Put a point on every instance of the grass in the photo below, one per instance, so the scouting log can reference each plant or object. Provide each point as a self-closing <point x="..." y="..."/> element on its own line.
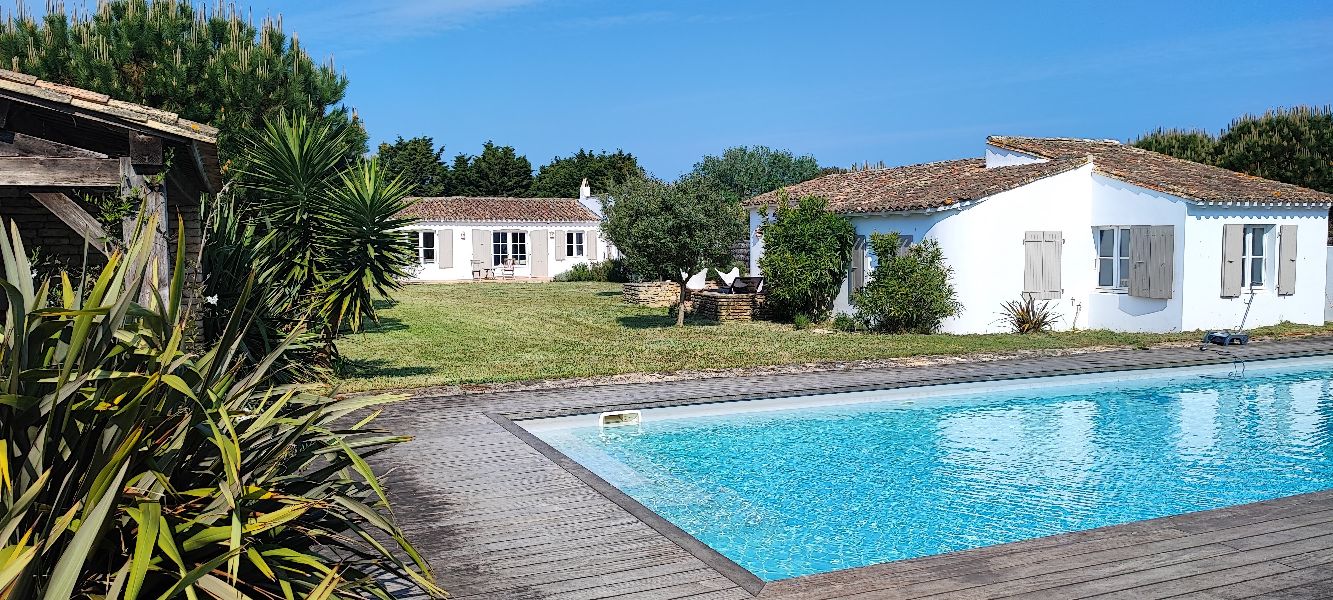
<point x="486" y="333"/>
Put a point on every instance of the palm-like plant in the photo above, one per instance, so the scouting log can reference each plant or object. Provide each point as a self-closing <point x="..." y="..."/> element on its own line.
<point x="133" y="466"/>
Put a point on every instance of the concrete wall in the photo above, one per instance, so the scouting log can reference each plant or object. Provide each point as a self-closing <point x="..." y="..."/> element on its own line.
<point x="462" y="248"/>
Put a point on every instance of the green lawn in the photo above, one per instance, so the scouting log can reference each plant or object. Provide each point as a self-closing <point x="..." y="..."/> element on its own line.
<point x="486" y="333"/>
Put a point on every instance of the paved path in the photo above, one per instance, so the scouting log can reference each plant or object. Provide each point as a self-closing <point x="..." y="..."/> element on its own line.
<point x="499" y="519"/>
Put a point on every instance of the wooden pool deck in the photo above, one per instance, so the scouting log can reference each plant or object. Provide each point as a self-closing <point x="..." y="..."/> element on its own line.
<point x="499" y="516"/>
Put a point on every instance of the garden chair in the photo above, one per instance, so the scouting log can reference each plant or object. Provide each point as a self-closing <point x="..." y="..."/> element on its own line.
<point x="695" y="282"/>
<point x="507" y="269"/>
<point x="476" y="269"/>
<point x="728" y="277"/>
<point x="748" y="285"/>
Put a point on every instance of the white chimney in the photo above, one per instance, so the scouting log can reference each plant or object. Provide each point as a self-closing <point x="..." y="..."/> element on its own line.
<point x="588" y="200"/>
<point x="585" y="191"/>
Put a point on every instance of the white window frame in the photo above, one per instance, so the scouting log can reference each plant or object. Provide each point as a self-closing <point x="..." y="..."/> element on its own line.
<point x="574" y="243"/>
<point x="1247" y="257"/>
<point x="1118" y="260"/>
<point x="428" y="255"/>
<point x="504" y="244"/>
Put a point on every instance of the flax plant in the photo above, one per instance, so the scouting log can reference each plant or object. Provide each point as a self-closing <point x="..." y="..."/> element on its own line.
<point x="136" y="464"/>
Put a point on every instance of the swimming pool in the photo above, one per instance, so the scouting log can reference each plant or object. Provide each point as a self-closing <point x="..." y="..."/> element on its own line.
<point x="796" y="486"/>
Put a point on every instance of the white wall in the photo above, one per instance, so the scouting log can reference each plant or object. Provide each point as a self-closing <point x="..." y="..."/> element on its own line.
<point x="1002" y="157"/>
<point x="462" y="247"/>
<point x="1205" y="308"/>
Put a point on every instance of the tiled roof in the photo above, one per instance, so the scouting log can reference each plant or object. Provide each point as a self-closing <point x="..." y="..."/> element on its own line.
<point x="467" y="208"/>
<point x="917" y="187"/>
<point x="152" y="118"/>
<point x="1155" y="171"/>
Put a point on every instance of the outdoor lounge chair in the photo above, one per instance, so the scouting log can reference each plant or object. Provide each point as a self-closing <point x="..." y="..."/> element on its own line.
<point x="728" y="277"/>
<point x="747" y="285"/>
<point x="696" y="282"/>
<point x="507" y="269"/>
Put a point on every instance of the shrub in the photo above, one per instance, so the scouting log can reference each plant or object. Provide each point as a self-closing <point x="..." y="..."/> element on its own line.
<point x="1026" y="316"/>
<point x="611" y="270"/>
<point x="136" y="465"/>
<point x="845" y="322"/>
<point x="800" y="322"/>
<point x="908" y="290"/>
<point x="806" y="254"/>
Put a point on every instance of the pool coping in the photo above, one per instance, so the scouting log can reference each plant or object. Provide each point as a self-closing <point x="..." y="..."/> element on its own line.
<point x="741" y="576"/>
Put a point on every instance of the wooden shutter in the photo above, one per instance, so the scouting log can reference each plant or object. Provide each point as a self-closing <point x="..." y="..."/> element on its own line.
<point x="590" y="244"/>
<point x="1233" y="245"/>
<point x="857" y="278"/>
<point x="444" y="248"/>
<point x="1032" y="242"/>
<point x="1286" y="257"/>
<point x="481" y="247"/>
<point x="561" y="241"/>
<point x="1161" y="244"/>
<point x="1042" y="251"/>
<point x="1152" y="261"/>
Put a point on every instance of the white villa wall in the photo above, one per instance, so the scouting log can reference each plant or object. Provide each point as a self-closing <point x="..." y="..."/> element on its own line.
<point x="462" y="247"/>
<point x="1002" y="157"/>
<point x="1205" y="308"/>
<point x="1116" y="203"/>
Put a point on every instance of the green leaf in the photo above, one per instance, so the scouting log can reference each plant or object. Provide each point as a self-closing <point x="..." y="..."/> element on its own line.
<point x="80" y="549"/>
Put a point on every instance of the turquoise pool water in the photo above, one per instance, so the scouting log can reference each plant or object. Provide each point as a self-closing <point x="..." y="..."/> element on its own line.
<point x="800" y="491"/>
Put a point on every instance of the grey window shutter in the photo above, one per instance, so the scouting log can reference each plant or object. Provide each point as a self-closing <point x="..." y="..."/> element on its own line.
<point x="590" y="245"/>
<point x="1032" y="278"/>
<point x="444" y="248"/>
<point x="1286" y="256"/>
<point x="1233" y="242"/>
<point x="857" y="280"/>
<point x="1139" y="265"/>
<point x="481" y="247"/>
<point x="1051" y="249"/>
<point x="1161" y="244"/>
<point x="561" y="248"/>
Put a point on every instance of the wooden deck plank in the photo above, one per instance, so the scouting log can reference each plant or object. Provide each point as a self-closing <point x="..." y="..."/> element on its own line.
<point x="498" y="519"/>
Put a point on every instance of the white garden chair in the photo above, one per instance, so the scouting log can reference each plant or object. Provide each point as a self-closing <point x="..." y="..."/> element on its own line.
<point x="696" y="282"/>
<point x="728" y="277"/>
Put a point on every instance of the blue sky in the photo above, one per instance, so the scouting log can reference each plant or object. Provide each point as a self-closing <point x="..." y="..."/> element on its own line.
<point x="844" y="81"/>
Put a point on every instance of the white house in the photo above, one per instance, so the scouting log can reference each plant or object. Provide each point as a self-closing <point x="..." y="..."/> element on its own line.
<point x="1115" y="236"/>
<point x="462" y="238"/>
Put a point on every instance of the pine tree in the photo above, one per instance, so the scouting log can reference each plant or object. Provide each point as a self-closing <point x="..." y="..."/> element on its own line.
<point x="497" y="171"/>
<point x="562" y="177"/>
<point x="1196" y="145"/>
<point x="418" y="163"/>
<point x="214" y="67"/>
<point x="1291" y="145"/>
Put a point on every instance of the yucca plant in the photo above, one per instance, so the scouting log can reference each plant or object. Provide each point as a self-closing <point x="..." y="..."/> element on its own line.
<point x="136" y="465"/>
<point x="1025" y="315"/>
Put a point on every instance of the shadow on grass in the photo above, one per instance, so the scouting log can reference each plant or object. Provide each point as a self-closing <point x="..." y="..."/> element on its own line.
<point x="385" y="324"/>
<point x="660" y="322"/>
<point x="377" y="367"/>
<point x="384" y="303"/>
<point x="608" y="294"/>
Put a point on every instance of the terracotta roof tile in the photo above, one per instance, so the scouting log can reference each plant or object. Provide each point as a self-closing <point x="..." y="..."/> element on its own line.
<point x="1167" y="174"/>
<point x="467" y="208"/>
<point x="918" y="187"/>
<point x="154" y="118"/>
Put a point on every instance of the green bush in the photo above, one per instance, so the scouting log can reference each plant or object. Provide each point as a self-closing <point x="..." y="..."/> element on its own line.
<point x="800" y="322"/>
<point x="806" y="254"/>
<point x="612" y="270"/>
<point x="909" y="290"/>
<point x="134" y="464"/>
<point x="845" y="322"/>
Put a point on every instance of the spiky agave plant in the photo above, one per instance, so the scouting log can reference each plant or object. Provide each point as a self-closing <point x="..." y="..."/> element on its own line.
<point x="133" y="465"/>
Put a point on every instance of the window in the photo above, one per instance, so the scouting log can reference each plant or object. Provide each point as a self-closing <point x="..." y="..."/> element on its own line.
<point x="574" y="243"/>
<point x="426" y="247"/>
<point x="1113" y="257"/>
<point x="509" y="245"/>
<point x="1254" y="258"/>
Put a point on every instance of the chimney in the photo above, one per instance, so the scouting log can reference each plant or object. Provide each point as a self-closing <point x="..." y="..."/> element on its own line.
<point x="585" y="191"/>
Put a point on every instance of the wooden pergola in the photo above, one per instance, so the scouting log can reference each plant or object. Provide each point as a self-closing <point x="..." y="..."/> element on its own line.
<point x="59" y="144"/>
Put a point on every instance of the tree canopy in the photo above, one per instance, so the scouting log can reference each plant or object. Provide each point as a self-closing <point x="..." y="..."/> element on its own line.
<point x="215" y="67"/>
<point x="562" y="177"/>
<point x="747" y="171"/>
<point x="497" y="171"/>
<point x="1292" y="145"/>
<point x="666" y="229"/>
<point x="419" y="164"/>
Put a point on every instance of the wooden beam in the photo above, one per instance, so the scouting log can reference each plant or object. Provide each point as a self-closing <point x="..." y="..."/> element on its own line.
<point x="135" y="185"/>
<point x="25" y="171"/>
<point x="5" y="105"/>
<point x="18" y="144"/>
<point x="73" y="215"/>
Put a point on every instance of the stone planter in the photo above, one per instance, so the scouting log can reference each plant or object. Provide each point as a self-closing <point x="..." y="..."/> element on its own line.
<point x="717" y="306"/>
<point x="651" y="293"/>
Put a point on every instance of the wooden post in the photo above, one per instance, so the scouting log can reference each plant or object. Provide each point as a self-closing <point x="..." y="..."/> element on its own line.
<point x="135" y="184"/>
